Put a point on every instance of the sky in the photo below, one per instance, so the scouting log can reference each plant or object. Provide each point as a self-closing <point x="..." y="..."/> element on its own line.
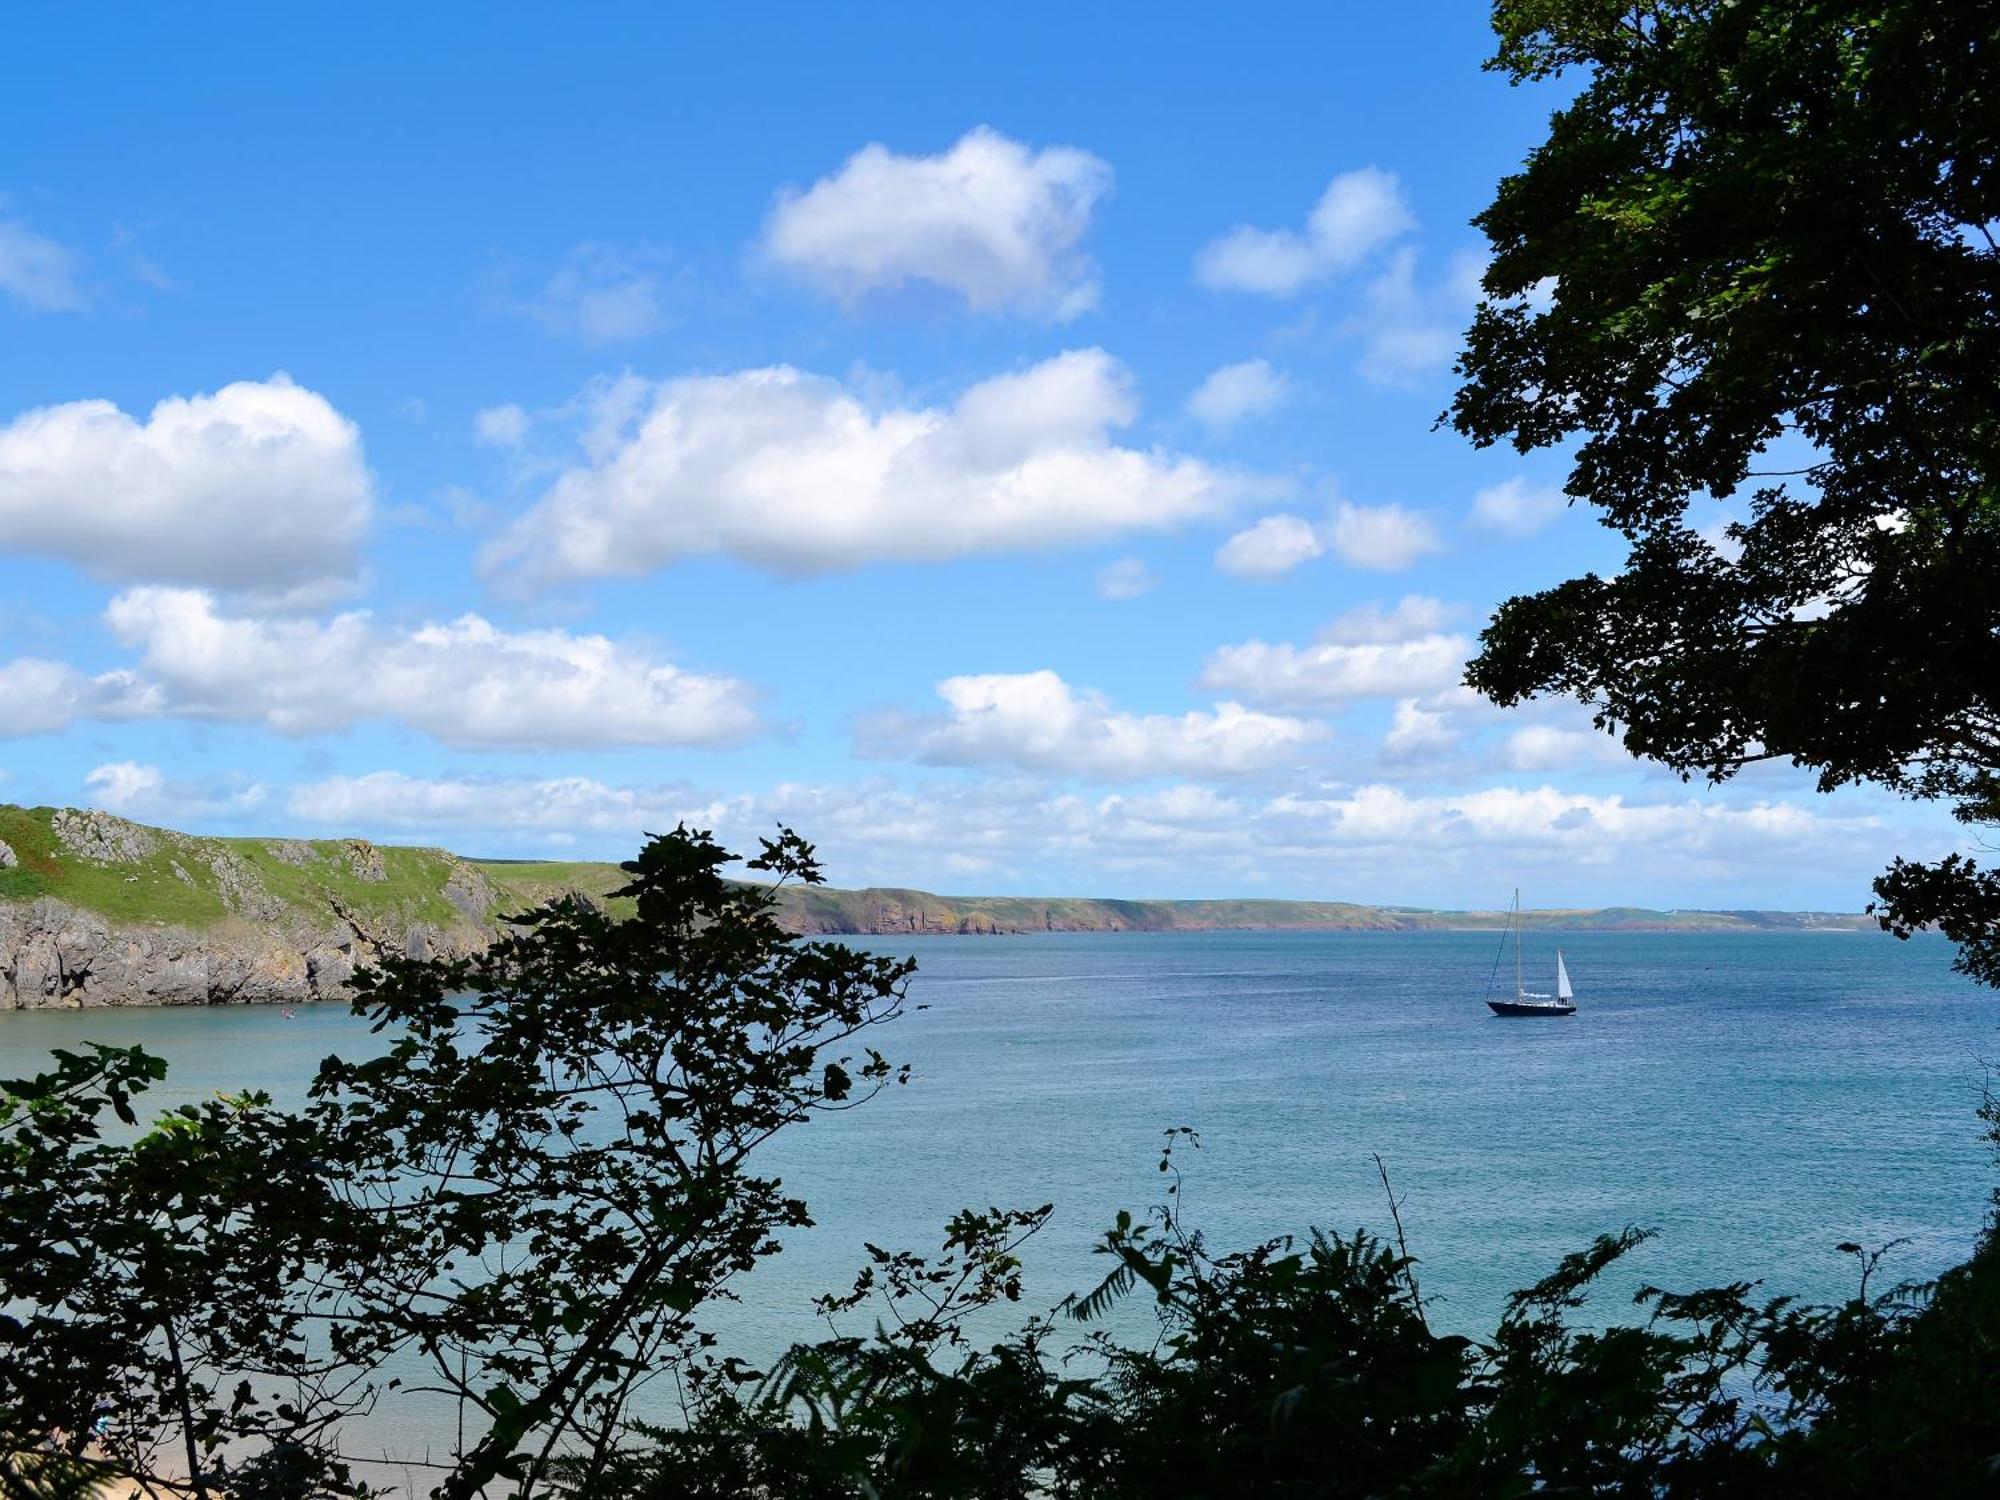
<point x="1000" y="444"/>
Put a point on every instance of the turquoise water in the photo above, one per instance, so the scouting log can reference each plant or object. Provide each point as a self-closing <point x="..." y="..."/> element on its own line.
<point x="1756" y="1098"/>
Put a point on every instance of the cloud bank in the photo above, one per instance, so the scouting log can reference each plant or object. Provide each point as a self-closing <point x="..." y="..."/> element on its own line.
<point x="465" y="683"/>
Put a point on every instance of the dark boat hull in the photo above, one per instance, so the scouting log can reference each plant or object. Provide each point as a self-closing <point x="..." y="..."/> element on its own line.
<point x="1514" y="1008"/>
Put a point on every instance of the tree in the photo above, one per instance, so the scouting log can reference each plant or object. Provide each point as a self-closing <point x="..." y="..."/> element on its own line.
<point x="533" y="1189"/>
<point x="148" y="1322"/>
<point x="1757" y="252"/>
<point x="1309" y="1367"/>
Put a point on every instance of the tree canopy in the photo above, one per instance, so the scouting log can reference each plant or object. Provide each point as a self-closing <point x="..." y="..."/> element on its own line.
<point x="525" y="1197"/>
<point x="1755" y="257"/>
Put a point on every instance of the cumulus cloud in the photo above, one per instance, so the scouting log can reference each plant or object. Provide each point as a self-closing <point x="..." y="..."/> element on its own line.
<point x="556" y="808"/>
<point x="798" y="474"/>
<point x="36" y="270"/>
<point x="1418" y="732"/>
<point x="991" y="221"/>
<point x="1385" y="538"/>
<point x="1409" y="330"/>
<point x="1127" y="578"/>
<point x="1359" y="213"/>
<point x="1330" y="674"/>
<point x="1548" y="747"/>
<point x="1237" y="392"/>
<point x="39" y="696"/>
<point x="258" y="487"/>
<point x="1382" y="538"/>
<point x="135" y="790"/>
<point x="600" y="294"/>
<point x="1516" y="508"/>
<point x="1368" y="653"/>
<point x="1036" y="721"/>
<point x="1412" y="617"/>
<point x="465" y="682"/>
<point x="1272" y="547"/>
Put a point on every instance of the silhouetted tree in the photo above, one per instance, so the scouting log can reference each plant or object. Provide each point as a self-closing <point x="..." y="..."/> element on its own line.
<point x="1310" y="1369"/>
<point x="532" y="1189"/>
<point x="1756" y="253"/>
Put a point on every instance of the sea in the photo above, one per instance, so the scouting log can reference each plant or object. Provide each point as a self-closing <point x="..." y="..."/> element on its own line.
<point x="1756" y="1098"/>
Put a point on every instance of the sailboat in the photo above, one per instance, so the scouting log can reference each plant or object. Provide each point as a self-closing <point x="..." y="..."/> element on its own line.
<point x="1527" y="1002"/>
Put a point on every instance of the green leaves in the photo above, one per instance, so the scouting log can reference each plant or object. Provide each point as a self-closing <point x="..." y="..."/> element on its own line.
<point x="1769" y="233"/>
<point x="532" y="1190"/>
<point x="835" y="1084"/>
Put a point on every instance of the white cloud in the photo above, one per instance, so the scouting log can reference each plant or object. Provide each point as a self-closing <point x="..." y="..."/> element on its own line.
<point x="797" y="474"/>
<point x="991" y="220"/>
<point x="601" y="294"/>
<point x="1516" y="508"/>
<point x="1036" y="721"/>
<point x="260" y="486"/>
<point x="1717" y="532"/>
<point x="557" y="807"/>
<point x="1359" y="213"/>
<point x="1127" y="578"/>
<point x="1386" y="538"/>
<point x="465" y="683"/>
<point x="1236" y="392"/>
<point x="1546" y="747"/>
<point x="39" y="697"/>
<point x="1366" y="653"/>
<point x="1418" y="732"/>
<point x="501" y="426"/>
<point x="1274" y="546"/>
<point x="1365" y="843"/>
<point x="37" y="270"/>
<point x="1596" y="831"/>
<point x="134" y="790"/>
<point x="1408" y="331"/>
<point x="1413" y="616"/>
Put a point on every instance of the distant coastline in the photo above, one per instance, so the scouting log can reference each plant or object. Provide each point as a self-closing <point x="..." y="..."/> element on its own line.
<point x="98" y="910"/>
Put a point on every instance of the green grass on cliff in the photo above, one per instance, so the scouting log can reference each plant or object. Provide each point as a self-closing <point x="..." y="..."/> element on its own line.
<point x="179" y="882"/>
<point x="528" y="883"/>
<point x="168" y="885"/>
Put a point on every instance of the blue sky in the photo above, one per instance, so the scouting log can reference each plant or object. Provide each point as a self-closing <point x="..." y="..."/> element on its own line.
<point x="999" y="444"/>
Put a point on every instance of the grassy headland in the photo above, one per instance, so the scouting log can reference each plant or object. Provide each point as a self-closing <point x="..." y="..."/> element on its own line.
<point x="157" y="876"/>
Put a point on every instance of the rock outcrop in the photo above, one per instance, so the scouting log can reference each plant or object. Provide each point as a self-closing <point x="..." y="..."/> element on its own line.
<point x="101" y="838"/>
<point x="365" y="860"/>
<point x="53" y="954"/>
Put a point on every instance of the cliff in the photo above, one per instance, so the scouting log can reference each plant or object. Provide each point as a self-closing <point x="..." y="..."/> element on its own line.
<point x="96" y="910"/>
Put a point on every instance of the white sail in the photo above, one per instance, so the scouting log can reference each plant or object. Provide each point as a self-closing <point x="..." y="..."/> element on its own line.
<point x="1563" y="991"/>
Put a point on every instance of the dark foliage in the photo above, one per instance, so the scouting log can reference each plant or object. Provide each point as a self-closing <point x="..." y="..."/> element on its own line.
<point x="544" y="1175"/>
<point x="1757" y="253"/>
<point x="544" y="1172"/>
<point x="1309" y="1369"/>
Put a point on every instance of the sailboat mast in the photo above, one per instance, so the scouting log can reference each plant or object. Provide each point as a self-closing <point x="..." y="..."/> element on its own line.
<point x="1517" y="942"/>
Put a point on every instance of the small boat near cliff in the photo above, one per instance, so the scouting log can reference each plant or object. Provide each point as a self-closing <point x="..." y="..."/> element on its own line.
<point x="1527" y="1002"/>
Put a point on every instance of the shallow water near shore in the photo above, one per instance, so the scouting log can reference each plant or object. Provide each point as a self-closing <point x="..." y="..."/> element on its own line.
<point x="1757" y="1098"/>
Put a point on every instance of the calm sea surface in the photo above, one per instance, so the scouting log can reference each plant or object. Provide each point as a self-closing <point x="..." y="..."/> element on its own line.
<point x="1756" y="1098"/>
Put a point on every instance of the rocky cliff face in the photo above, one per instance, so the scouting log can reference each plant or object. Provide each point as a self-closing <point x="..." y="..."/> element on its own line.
<point x="51" y="953"/>
<point x="97" y="910"/>
<point x="254" y="944"/>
